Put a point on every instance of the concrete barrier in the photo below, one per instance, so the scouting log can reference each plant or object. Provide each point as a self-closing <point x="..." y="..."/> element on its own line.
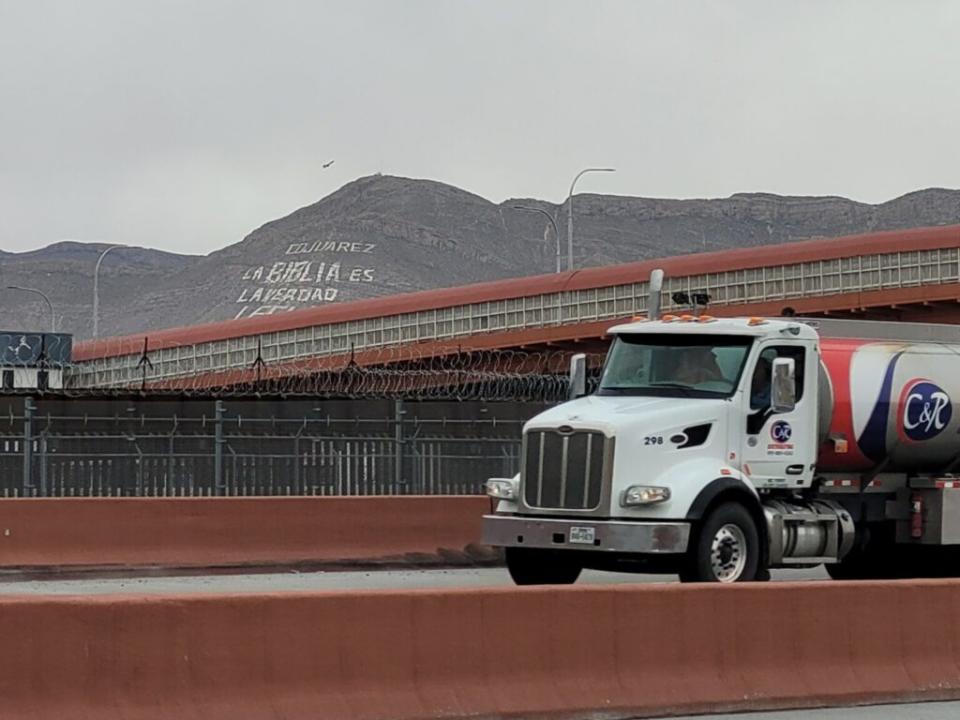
<point x="185" y="532"/>
<point x="621" y="651"/>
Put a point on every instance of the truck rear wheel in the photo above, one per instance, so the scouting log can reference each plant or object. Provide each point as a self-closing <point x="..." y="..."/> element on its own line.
<point x="528" y="566"/>
<point x="874" y="557"/>
<point x="725" y="548"/>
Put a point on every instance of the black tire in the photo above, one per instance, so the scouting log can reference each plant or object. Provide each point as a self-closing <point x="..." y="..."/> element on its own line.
<point x="858" y="568"/>
<point x="874" y="557"/>
<point x="725" y="548"/>
<point x="528" y="566"/>
<point x="896" y="563"/>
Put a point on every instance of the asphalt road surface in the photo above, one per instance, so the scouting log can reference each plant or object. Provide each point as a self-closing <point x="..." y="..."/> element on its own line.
<point x="143" y="582"/>
<point x="915" y="711"/>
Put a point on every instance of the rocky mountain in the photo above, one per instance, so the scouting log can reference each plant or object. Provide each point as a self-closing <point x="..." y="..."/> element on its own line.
<point x="64" y="272"/>
<point x="382" y="235"/>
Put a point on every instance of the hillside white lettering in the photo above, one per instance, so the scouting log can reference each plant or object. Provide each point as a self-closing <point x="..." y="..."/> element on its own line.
<point x="330" y="246"/>
<point x="287" y="284"/>
<point x="288" y="294"/>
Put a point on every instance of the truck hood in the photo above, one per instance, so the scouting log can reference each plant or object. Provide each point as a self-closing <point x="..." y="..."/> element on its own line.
<point x="616" y="414"/>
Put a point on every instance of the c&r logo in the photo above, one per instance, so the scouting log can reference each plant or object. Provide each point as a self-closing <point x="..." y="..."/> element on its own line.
<point x="925" y="410"/>
<point x="781" y="431"/>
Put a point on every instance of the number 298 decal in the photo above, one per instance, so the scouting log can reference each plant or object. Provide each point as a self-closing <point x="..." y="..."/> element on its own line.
<point x="653" y="440"/>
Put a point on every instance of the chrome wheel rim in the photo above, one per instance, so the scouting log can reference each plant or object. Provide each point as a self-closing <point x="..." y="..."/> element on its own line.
<point x="728" y="553"/>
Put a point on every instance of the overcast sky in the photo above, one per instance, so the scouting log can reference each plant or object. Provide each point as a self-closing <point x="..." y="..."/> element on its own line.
<point x="184" y="125"/>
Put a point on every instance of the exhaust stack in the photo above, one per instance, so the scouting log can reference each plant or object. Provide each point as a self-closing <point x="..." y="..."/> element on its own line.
<point x="654" y="297"/>
<point x="578" y="376"/>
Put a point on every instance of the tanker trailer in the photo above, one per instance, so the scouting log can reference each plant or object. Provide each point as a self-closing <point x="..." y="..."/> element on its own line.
<point x="720" y="448"/>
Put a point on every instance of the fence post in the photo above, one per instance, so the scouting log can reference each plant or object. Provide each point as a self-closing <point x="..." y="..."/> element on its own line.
<point x="218" y="448"/>
<point x="44" y="491"/>
<point x="398" y="413"/>
<point x="28" y="408"/>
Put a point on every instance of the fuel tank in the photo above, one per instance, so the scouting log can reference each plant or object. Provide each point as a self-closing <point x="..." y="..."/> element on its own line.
<point x="889" y="403"/>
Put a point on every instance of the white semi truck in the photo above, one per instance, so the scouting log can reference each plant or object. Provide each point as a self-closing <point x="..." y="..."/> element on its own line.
<point x="720" y="448"/>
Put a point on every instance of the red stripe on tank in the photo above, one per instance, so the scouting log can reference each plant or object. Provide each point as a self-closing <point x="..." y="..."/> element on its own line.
<point x="837" y="355"/>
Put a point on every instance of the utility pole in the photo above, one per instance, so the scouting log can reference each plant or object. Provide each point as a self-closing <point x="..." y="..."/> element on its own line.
<point x="556" y="230"/>
<point x="570" y="211"/>
<point x="96" y="290"/>
<point x="53" y="318"/>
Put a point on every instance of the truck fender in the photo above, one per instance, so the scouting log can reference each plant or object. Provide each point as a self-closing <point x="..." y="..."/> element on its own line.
<point x="732" y="489"/>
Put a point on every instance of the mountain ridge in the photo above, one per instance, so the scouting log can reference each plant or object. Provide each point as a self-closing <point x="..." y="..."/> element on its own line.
<point x="382" y="234"/>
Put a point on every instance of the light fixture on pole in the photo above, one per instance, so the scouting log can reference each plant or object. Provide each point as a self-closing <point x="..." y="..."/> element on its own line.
<point x="570" y="211"/>
<point x="53" y="319"/>
<point x="96" y="290"/>
<point x="556" y="230"/>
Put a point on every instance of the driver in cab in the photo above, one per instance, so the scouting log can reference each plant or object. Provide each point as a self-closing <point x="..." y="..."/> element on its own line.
<point x="697" y="365"/>
<point x="760" y="385"/>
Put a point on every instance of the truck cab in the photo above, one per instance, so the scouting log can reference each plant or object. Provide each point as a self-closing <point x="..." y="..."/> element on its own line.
<point x="696" y="455"/>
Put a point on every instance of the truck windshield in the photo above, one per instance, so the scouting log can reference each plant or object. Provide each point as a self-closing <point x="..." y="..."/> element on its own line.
<point x="671" y="365"/>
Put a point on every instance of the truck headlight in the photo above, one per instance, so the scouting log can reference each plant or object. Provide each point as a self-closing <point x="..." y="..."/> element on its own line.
<point x="644" y="495"/>
<point x="502" y="489"/>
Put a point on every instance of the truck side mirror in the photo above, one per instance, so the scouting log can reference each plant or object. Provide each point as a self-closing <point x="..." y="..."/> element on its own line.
<point x="783" y="385"/>
<point x="578" y="376"/>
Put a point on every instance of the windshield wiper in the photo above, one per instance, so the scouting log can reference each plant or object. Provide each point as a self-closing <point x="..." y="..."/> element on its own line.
<point x="673" y="386"/>
<point x="640" y="389"/>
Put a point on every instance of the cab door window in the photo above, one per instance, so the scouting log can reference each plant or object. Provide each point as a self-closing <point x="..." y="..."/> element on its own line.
<point x="760" y="382"/>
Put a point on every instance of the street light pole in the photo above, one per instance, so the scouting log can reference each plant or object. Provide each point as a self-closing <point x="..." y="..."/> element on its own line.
<point x="53" y="319"/>
<point x="548" y="216"/>
<point x="96" y="290"/>
<point x="570" y="211"/>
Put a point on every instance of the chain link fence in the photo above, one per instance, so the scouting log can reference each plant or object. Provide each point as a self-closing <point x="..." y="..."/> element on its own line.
<point x="143" y="447"/>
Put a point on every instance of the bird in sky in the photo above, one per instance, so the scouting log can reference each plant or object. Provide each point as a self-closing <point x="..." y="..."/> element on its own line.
<point x="327" y="164"/>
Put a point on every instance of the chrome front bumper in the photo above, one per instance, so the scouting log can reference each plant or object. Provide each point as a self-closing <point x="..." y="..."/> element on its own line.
<point x="609" y="535"/>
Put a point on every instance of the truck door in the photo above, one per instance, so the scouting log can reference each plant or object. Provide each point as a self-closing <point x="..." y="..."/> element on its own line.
<point x="780" y="448"/>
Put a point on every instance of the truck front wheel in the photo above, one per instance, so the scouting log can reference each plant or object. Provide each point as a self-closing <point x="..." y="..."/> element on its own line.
<point x="528" y="566"/>
<point x="725" y="548"/>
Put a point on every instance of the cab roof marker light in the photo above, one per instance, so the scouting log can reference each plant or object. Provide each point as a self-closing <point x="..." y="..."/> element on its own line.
<point x="706" y="319"/>
<point x="686" y="318"/>
<point x="756" y="321"/>
<point x="668" y="318"/>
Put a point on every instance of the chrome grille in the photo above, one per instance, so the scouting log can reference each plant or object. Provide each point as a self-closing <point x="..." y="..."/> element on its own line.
<point x="564" y="470"/>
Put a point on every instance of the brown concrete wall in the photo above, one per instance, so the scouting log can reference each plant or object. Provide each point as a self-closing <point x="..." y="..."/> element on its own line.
<point x="230" y="531"/>
<point x="628" y="651"/>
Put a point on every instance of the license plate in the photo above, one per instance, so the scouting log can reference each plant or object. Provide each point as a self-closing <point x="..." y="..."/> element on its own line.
<point x="582" y="535"/>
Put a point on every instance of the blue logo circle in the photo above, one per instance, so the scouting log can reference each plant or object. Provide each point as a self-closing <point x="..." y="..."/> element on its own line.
<point x="925" y="410"/>
<point x="781" y="431"/>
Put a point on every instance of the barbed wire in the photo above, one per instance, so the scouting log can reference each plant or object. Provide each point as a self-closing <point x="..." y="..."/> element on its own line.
<point x="410" y="371"/>
<point x="19" y="349"/>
